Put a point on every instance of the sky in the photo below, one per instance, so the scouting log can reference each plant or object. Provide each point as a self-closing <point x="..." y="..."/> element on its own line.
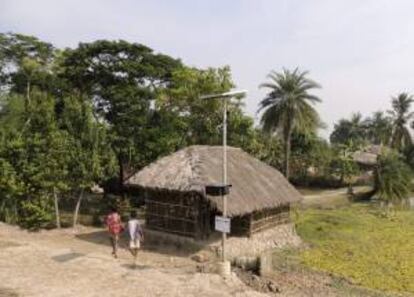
<point x="361" y="52"/>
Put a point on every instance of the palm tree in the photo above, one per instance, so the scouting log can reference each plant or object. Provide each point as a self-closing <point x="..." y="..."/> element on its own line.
<point x="401" y="115"/>
<point x="349" y="130"/>
<point x="288" y="106"/>
<point x="379" y="128"/>
<point x="392" y="178"/>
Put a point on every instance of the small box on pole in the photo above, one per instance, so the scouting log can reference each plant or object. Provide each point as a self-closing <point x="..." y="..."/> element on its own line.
<point x="222" y="224"/>
<point x="218" y="190"/>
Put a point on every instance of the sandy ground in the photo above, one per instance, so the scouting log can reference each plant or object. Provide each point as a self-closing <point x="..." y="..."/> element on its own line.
<point x="329" y="198"/>
<point x="61" y="263"/>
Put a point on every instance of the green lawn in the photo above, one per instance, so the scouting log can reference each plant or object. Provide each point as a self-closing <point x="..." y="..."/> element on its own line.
<point x="360" y="243"/>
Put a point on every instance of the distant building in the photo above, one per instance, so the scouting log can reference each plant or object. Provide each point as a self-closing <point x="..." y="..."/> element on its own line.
<point x="176" y="201"/>
<point x="367" y="157"/>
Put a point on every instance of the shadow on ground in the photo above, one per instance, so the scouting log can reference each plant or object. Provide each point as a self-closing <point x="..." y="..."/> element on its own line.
<point x="96" y="237"/>
<point x="7" y="244"/>
<point x="135" y="266"/>
<point x="7" y="293"/>
<point x="176" y="250"/>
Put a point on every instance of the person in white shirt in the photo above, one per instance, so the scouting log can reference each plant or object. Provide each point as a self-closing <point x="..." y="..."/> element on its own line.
<point x="135" y="234"/>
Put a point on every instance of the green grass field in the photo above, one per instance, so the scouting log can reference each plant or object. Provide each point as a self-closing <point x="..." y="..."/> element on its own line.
<point x="360" y="243"/>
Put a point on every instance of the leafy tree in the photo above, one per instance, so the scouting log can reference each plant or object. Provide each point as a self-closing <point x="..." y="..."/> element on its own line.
<point x="311" y="155"/>
<point x="121" y="79"/>
<point x="203" y="118"/>
<point x="353" y="130"/>
<point x="379" y="128"/>
<point x="343" y="163"/>
<point x="288" y="106"/>
<point x="10" y="191"/>
<point x="49" y="159"/>
<point x="240" y="129"/>
<point x="24" y="62"/>
<point x="90" y="159"/>
<point x="268" y="149"/>
<point x="35" y="160"/>
<point x="401" y="115"/>
<point x="11" y="114"/>
<point x="11" y="187"/>
<point x="392" y="178"/>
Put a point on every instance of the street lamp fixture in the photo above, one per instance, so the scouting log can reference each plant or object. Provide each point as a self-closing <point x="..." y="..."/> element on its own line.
<point x="224" y="96"/>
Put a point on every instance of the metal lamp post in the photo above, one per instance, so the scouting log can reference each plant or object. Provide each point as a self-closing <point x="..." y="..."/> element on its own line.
<point x="224" y="97"/>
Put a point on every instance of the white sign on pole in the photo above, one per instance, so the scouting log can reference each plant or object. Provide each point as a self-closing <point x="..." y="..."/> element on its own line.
<point x="222" y="224"/>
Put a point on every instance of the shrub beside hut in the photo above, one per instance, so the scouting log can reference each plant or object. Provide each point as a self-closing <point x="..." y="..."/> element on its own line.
<point x="176" y="202"/>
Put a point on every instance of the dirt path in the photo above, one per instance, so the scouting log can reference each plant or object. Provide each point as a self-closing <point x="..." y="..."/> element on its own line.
<point x="327" y="193"/>
<point x="330" y="198"/>
<point x="58" y="263"/>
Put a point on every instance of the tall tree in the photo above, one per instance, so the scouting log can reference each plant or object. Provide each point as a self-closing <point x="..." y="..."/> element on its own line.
<point x="353" y="130"/>
<point x="268" y="148"/>
<point x="379" y="128"/>
<point x="344" y="164"/>
<point x="289" y="106"/>
<point x="121" y="79"/>
<point x="35" y="160"/>
<point x="203" y="118"/>
<point x="25" y="62"/>
<point x="401" y="115"/>
<point x="90" y="159"/>
<point x="311" y="155"/>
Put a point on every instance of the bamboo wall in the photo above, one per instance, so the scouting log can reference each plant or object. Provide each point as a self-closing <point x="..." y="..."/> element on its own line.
<point x="259" y="220"/>
<point x="188" y="214"/>
<point x="181" y="213"/>
<point x="268" y="218"/>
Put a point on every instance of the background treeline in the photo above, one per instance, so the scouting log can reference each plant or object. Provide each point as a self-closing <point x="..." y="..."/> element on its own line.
<point x="73" y="118"/>
<point x="92" y="115"/>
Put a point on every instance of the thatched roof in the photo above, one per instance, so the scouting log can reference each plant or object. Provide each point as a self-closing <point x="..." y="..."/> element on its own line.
<point x="368" y="156"/>
<point x="255" y="185"/>
<point x="365" y="158"/>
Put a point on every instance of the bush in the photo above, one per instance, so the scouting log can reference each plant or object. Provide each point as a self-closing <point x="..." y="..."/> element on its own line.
<point x="36" y="214"/>
<point x="392" y="179"/>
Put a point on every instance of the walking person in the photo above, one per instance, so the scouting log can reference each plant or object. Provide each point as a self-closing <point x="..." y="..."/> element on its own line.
<point x="135" y="235"/>
<point x="115" y="227"/>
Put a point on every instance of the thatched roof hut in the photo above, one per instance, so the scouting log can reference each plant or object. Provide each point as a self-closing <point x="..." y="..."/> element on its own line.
<point x="176" y="200"/>
<point x="255" y="185"/>
<point x="368" y="156"/>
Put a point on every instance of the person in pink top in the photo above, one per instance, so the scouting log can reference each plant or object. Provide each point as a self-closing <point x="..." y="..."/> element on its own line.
<point x="115" y="227"/>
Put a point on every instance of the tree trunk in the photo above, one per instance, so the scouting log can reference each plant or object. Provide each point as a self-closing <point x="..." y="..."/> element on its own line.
<point x="121" y="176"/>
<point x="342" y="178"/>
<point x="78" y="203"/>
<point x="287" y="152"/>
<point x="27" y="96"/>
<point x="350" y="189"/>
<point x="121" y="169"/>
<point x="57" y="213"/>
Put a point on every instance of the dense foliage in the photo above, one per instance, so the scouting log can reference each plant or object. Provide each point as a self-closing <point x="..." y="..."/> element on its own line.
<point x="392" y="179"/>
<point x="95" y="114"/>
